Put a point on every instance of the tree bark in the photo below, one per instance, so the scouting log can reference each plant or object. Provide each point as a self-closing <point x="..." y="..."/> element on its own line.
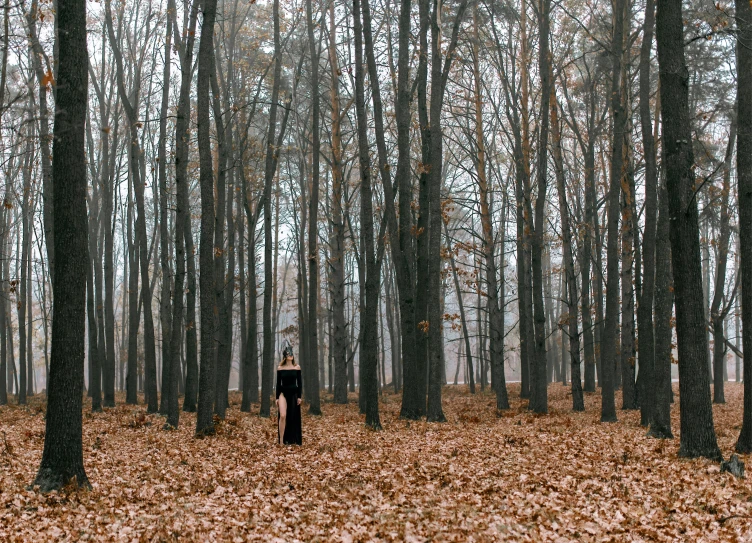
<point x="744" y="176"/>
<point x="312" y="384"/>
<point x="660" y="414"/>
<point x="208" y="368"/>
<point x="610" y="332"/>
<point x="369" y="315"/>
<point x="269" y="169"/>
<point x="718" y="313"/>
<point x="165" y="307"/>
<point x="495" y="316"/>
<point x="646" y="337"/>
<point x="338" y="348"/>
<point x="578" y="402"/>
<point x="62" y="458"/>
<point x="696" y="415"/>
<point x="539" y="399"/>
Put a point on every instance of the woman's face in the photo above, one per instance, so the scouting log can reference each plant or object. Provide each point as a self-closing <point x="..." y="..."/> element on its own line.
<point x="289" y="359"/>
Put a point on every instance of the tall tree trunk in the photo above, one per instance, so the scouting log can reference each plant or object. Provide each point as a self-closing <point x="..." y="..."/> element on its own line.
<point x="369" y="316"/>
<point x="165" y="308"/>
<point x="338" y="345"/>
<point x="186" y="47"/>
<point x="646" y="337"/>
<point x="718" y="313"/>
<point x="269" y="169"/>
<point x="588" y="329"/>
<point x="250" y="371"/>
<point x="744" y="175"/>
<point x="539" y="400"/>
<point x="578" y="402"/>
<point x="495" y="316"/>
<point x="95" y="386"/>
<point x="207" y="375"/>
<point x="629" y="390"/>
<point x="440" y="65"/>
<point x="403" y="252"/>
<point x="23" y="233"/>
<point x="313" y="226"/>
<point x="610" y="332"/>
<point x="660" y="419"/>
<point x="62" y="458"/>
<point x="131" y="394"/>
<point x="696" y="414"/>
<point x="222" y="358"/>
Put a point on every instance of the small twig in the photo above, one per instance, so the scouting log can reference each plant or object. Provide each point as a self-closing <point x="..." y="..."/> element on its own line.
<point x="724" y="519"/>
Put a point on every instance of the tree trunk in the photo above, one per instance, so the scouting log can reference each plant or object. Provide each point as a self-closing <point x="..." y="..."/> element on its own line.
<point x="660" y="420"/>
<point x="646" y="337"/>
<point x="610" y="332"/>
<point x="696" y="415"/>
<point x="578" y="402"/>
<point x="185" y="48"/>
<point x="338" y="348"/>
<point x="744" y="174"/>
<point x="62" y="458"/>
<point x="131" y="394"/>
<point x="313" y="227"/>
<point x="165" y="308"/>
<point x="369" y="316"/>
<point x="539" y="399"/>
<point x="207" y="375"/>
<point x="717" y="312"/>
<point x="269" y="169"/>
<point x="495" y="316"/>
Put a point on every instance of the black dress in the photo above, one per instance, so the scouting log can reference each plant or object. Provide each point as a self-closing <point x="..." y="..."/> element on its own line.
<point x="290" y="384"/>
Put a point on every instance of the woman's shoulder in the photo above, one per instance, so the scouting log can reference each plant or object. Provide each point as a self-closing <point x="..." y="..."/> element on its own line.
<point x="296" y="368"/>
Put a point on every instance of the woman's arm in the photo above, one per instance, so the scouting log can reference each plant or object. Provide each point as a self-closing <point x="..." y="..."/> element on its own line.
<point x="299" y="378"/>
<point x="278" y="390"/>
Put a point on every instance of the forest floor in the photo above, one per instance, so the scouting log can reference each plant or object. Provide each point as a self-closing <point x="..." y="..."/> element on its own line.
<point x="478" y="477"/>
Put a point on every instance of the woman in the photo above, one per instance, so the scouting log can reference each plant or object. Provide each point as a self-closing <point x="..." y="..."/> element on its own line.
<point x="289" y="389"/>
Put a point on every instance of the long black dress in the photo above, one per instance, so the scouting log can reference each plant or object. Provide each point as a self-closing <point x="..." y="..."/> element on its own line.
<point x="290" y="384"/>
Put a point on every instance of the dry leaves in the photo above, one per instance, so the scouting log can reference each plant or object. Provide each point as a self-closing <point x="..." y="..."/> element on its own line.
<point x="479" y="477"/>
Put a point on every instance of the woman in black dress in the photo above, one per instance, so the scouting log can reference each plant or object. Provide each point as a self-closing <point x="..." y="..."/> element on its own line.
<point x="289" y="390"/>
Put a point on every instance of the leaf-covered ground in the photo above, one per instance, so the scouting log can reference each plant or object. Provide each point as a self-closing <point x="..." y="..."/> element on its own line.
<point x="478" y="477"/>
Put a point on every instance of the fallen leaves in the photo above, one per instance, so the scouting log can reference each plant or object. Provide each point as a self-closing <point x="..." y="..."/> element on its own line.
<point x="481" y="477"/>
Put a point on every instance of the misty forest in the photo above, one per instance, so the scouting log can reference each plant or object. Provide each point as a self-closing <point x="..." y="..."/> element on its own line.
<point x="509" y="243"/>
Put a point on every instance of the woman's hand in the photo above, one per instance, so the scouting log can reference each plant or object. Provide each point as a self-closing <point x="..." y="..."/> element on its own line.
<point x="277" y="402"/>
<point x="299" y="400"/>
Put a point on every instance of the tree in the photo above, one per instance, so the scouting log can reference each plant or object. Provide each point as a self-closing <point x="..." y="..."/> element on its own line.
<point x="744" y="176"/>
<point x="338" y="346"/>
<point x="697" y="432"/>
<point x="646" y="300"/>
<point x="660" y="412"/>
<point x="369" y="324"/>
<point x="572" y="330"/>
<point x="495" y="315"/>
<point x="539" y="392"/>
<point x="62" y="457"/>
<point x="312" y="375"/>
<point x="608" y="345"/>
<point x="270" y="167"/>
<point x="208" y="370"/>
